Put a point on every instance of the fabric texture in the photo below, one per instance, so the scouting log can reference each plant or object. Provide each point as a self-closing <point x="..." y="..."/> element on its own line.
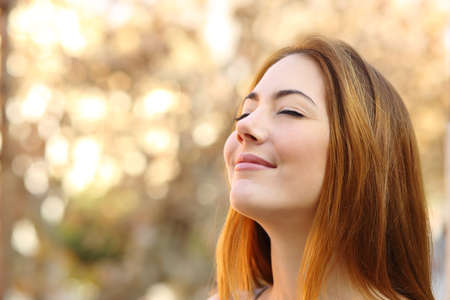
<point x="259" y="291"/>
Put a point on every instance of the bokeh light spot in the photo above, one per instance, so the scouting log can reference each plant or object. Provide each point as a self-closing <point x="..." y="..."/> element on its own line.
<point x="160" y="291"/>
<point x="52" y="209"/>
<point x="34" y="105"/>
<point x="57" y="150"/>
<point x="36" y="178"/>
<point x="24" y="238"/>
<point x="205" y="134"/>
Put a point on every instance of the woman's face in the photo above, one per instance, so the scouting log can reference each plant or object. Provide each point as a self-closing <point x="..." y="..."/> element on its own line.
<point x="295" y="144"/>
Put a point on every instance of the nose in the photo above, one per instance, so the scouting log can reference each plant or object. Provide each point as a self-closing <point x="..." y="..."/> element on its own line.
<point x="251" y="129"/>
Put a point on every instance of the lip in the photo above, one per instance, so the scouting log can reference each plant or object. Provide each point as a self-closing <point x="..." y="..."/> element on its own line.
<point x="252" y="161"/>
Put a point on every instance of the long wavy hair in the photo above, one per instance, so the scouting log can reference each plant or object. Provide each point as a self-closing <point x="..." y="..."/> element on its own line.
<point x="371" y="209"/>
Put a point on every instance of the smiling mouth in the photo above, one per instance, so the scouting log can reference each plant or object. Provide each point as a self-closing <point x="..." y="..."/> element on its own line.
<point x="254" y="159"/>
<point x="250" y="166"/>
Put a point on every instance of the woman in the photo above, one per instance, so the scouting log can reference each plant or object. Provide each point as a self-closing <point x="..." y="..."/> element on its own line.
<point x="326" y="191"/>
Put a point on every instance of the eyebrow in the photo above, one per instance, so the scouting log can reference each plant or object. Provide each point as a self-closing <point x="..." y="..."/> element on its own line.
<point x="280" y="94"/>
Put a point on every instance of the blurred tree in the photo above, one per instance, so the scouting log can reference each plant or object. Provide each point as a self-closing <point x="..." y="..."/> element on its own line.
<point x="5" y="218"/>
<point x="115" y="117"/>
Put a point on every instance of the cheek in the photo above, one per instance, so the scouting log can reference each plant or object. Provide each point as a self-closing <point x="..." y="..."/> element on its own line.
<point x="229" y="151"/>
<point x="305" y="160"/>
<point x="307" y="149"/>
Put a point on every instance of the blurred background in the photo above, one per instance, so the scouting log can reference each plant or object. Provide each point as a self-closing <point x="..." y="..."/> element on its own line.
<point x="115" y="112"/>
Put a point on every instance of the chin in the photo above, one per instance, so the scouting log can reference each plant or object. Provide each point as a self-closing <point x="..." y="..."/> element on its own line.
<point x="263" y="209"/>
<point x="256" y="206"/>
<point x="246" y="203"/>
<point x="241" y="199"/>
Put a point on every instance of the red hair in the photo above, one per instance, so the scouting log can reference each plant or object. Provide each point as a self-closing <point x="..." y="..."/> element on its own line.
<point x="371" y="210"/>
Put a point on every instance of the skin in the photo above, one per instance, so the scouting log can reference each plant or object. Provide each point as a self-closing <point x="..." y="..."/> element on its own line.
<point x="283" y="199"/>
<point x="296" y="144"/>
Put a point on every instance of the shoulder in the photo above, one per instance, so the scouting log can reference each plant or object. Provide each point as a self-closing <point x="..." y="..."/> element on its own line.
<point x="214" y="297"/>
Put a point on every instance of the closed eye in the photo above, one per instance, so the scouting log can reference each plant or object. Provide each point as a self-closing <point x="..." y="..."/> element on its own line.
<point x="292" y="113"/>
<point x="287" y="112"/>
<point x="241" y="116"/>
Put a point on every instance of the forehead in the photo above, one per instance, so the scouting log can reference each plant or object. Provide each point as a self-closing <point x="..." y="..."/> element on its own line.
<point x="295" y="71"/>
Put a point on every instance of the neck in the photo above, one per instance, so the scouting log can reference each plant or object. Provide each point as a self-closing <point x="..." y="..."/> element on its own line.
<point x="286" y="255"/>
<point x="287" y="240"/>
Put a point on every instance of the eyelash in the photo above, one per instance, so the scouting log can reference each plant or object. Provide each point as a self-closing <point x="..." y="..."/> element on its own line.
<point x="288" y="112"/>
